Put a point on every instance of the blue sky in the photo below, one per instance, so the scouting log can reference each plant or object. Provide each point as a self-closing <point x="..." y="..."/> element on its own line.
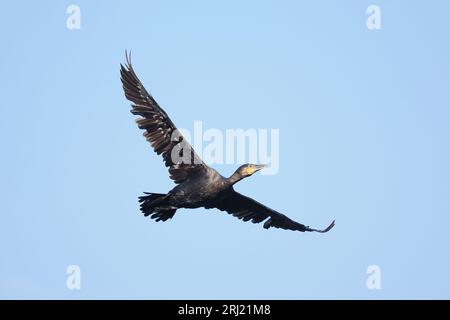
<point x="364" y="139"/>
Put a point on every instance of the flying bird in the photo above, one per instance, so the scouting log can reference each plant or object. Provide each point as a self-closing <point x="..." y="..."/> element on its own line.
<point x="197" y="184"/>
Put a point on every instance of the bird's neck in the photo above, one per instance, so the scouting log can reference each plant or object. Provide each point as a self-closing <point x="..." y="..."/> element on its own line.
<point x="235" y="177"/>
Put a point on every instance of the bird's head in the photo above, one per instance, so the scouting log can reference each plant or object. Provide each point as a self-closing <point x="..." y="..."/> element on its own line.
<point x="244" y="171"/>
<point x="248" y="169"/>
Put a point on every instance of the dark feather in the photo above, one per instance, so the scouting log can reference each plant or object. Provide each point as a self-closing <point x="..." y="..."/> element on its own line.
<point x="246" y="208"/>
<point x="157" y="125"/>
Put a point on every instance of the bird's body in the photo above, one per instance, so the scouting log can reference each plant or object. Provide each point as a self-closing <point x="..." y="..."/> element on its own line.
<point x="198" y="185"/>
<point x="200" y="190"/>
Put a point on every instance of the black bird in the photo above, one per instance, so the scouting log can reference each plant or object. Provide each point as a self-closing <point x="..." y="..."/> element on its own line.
<point x="198" y="185"/>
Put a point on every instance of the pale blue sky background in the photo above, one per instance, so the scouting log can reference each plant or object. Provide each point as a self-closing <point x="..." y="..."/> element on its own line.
<point x="364" y="129"/>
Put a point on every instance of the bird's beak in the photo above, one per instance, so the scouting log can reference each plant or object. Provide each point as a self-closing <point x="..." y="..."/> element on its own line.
<point x="260" y="166"/>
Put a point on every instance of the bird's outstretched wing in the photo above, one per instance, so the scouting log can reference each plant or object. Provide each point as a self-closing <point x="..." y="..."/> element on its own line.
<point x="247" y="209"/>
<point x="159" y="129"/>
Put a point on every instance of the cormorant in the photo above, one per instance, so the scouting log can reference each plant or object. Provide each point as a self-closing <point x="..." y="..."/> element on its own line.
<point x="198" y="185"/>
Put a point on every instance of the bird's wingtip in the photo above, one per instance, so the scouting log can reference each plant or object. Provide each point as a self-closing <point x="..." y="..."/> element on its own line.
<point x="128" y="56"/>
<point x="332" y="224"/>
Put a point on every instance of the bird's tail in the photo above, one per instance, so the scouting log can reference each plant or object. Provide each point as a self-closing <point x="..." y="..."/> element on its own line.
<point x="155" y="204"/>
